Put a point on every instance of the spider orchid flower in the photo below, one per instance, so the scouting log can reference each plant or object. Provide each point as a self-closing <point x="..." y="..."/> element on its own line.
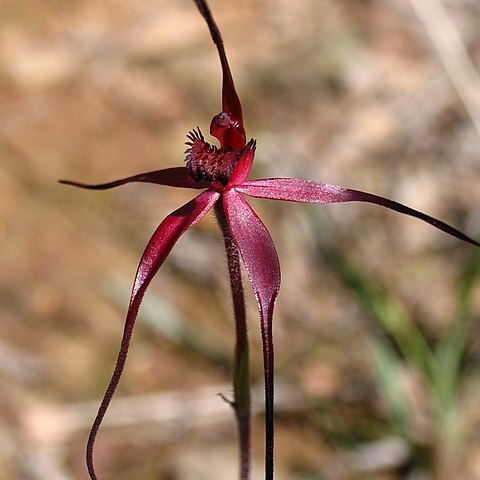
<point x="222" y="173"/>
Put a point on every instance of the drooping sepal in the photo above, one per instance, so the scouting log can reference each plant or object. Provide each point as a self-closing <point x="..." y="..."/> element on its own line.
<point x="157" y="250"/>
<point x="261" y="262"/>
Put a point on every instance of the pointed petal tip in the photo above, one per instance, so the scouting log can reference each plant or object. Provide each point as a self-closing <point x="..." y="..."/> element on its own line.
<point x="81" y="185"/>
<point x="171" y="177"/>
<point x="244" y="163"/>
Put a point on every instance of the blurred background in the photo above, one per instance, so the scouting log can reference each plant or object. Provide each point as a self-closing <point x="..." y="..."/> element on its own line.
<point x="377" y="328"/>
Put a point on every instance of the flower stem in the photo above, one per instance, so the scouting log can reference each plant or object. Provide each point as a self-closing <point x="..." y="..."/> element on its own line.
<point x="241" y="381"/>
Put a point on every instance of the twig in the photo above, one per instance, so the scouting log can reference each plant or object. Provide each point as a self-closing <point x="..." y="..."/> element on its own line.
<point x="173" y="411"/>
<point x="453" y="54"/>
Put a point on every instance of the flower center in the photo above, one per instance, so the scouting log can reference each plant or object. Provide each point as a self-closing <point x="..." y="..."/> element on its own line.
<point x="207" y="162"/>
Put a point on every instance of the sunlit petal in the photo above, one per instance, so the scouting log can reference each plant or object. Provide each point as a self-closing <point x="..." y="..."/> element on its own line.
<point x="309" y="191"/>
<point x="261" y="262"/>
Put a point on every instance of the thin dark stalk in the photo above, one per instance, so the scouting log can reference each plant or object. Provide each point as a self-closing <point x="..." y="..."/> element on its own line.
<point x="267" y="342"/>
<point x="241" y="381"/>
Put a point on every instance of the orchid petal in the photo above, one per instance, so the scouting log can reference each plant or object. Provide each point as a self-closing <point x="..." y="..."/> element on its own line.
<point x="261" y="262"/>
<point x="157" y="250"/>
<point x="244" y="164"/>
<point x="309" y="191"/>
<point x="173" y="177"/>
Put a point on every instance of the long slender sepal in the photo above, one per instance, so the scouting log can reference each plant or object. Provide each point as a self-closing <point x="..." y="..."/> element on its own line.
<point x="261" y="262"/>
<point x="227" y="127"/>
<point x="172" y="177"/>
<point x="230" y="101"/>
<point x="309" y="191"/>
<point x="157" y="250"/>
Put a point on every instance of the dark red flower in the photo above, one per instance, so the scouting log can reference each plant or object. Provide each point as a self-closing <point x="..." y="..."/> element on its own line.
<point x="222" y="173"/>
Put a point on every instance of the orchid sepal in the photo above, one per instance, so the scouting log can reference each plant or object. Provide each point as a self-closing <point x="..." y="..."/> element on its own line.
<point x="156" y="251"/>
<point x="263" y="269"/>
<point x="232" y="135"/>
<point x="310" y="191"/>
<point x="172" y="177"/>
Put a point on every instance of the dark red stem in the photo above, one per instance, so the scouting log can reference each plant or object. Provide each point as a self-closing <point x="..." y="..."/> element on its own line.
<point x="241" y="381"/>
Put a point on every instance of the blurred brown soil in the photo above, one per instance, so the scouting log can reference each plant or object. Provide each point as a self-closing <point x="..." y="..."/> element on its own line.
<point x="349" y="92"/>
